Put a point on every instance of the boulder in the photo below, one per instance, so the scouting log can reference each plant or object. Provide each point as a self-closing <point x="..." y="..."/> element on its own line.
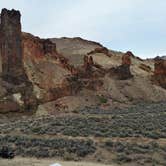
<point x="7" y="106"/>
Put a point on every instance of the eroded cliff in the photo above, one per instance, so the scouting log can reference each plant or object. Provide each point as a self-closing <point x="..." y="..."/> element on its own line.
<point x="50" y="72"/>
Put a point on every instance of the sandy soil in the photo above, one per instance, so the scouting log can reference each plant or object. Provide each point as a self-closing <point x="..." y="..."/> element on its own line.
<point x="43" y="162"/>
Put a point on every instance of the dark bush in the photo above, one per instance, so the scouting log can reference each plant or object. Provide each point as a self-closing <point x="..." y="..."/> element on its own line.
<point x="123" y="158"/>
<point x="6" y="152"/>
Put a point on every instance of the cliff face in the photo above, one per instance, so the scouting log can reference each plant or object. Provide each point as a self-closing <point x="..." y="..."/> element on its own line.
<point x="37" y="71"/>
<point x="160" y="67"/>
<point x="38" y="48"/>
<point x="44" y="67"/>
<point x="18" y="90"/>
<point x="123" y="72"/>
<point x="159" y="76"/>
<point x="11" y="44"/>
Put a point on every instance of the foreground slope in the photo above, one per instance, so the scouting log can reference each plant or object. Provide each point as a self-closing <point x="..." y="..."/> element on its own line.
<point x="133" y="136"/>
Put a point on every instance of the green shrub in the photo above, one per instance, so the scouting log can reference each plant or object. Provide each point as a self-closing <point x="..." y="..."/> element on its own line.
<point x="102" y="99"/>
<point x="36" y="129"/>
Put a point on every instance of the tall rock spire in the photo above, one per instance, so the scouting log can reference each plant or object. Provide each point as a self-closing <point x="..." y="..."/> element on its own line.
<point x="11" y="44"/>
<point x="12" y="69"/>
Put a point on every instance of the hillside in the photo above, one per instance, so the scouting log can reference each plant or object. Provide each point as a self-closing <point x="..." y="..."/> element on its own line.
<point x="71" y="73"/>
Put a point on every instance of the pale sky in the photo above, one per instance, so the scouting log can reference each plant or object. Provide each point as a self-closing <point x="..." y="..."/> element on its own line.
<point x="136" y="25"/>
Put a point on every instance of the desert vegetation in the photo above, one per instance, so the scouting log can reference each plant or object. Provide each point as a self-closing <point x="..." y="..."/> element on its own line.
<point x="131" y="135"/>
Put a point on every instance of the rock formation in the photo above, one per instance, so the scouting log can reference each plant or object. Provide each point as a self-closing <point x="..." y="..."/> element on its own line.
<point x="11" y="46"/>
<point x="35" y="70"/>
<point x="19" y="90"/>
<point x="38" y="48"/>
<point x="126" y="58"/>
<point x="103" y="50"/>
<point x="160" y="66"/>
<point x="88" y="64"/>
<point x="122" y="72"/>
<point x="50" y="72"/>
<point x="159" y="76"/>
<point x="49" y="47"/>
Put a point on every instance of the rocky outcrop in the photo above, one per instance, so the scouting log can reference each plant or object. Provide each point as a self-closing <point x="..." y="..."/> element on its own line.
<point x="88" y="64"/>
<point x="19" y="91"/>
<point x="35" y="70"/>
<point x="90" y="69"/>
<point x="159" y="76"/>
<point x="126" y="58"/>
<point x="49" y="47"/>
<point x="103" y="50"/>
<point x="122" y="72"/>
<point x="160" y="67"/>
<point x="52" y="74"/>
<point x="48" y="70"/>
<point x="38" y="48"/>
<point x="11" y="46"/>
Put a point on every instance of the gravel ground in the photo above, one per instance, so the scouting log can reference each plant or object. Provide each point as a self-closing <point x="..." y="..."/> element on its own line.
<point x="43" y="162"/>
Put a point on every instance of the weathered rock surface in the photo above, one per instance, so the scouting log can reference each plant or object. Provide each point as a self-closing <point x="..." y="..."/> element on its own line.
<point x="126" y="58"/>
<point x="36" y="70"/>
<point x="122" y="72"/>
<point x="11" y="46"/>
<point x="160" y="67"/>
<point x="14" y="78"/>
<point x="46" y="69"/>
<point x="159" y="76"/>
<point x="103" y="50"/>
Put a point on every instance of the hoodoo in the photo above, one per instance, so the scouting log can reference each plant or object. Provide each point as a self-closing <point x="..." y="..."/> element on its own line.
<point x="11" y="46"/>
<point x="19" y="90"/>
